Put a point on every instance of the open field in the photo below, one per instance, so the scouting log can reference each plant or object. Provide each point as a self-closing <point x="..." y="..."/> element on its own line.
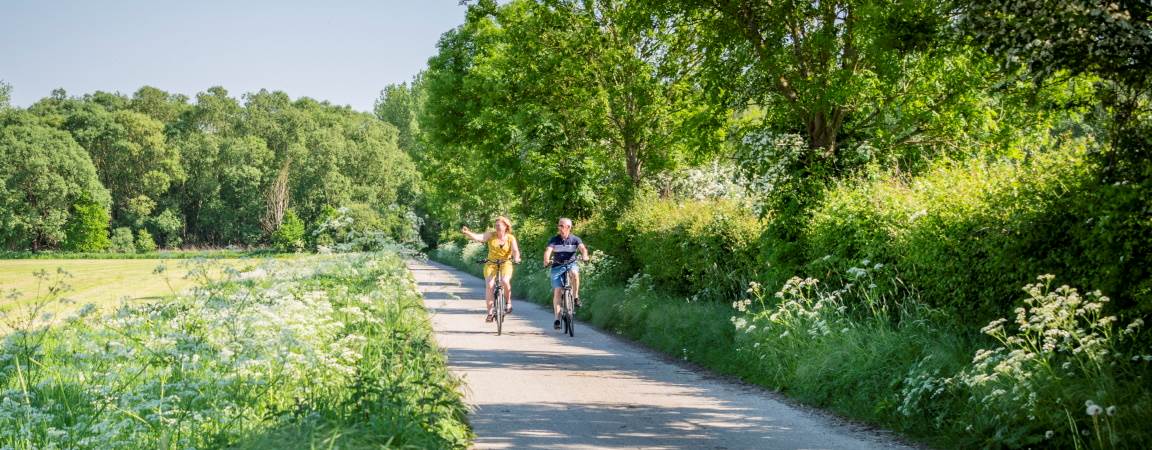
<point x="102" y="282"/>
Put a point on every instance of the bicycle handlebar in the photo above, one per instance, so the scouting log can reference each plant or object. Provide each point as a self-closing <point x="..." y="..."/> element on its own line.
<point x="556" y="263"/>
<point x="495" y="262"/>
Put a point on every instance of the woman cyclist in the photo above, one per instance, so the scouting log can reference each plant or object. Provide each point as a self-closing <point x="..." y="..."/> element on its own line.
<point x="502" y="246"/>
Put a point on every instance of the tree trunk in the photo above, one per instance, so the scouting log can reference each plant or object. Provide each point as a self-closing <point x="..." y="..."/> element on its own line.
<point x="822" y="134"/>
<point x="633" y="163"/>
<point x="277" y="200"/>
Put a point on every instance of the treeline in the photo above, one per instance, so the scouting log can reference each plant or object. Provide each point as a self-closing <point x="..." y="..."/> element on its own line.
<point x="829" y="124"/>
<point x="108" y="171"/>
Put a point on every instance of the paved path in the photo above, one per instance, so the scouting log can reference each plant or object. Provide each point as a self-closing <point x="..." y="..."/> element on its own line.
<point x="535" y="388"/>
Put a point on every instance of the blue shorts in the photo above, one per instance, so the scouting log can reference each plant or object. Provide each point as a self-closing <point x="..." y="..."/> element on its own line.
<point x="557" y="283"/>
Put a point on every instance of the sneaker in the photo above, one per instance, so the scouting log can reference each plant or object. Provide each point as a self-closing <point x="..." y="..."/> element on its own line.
<point x="508" y="310"/>
<point x="577" y="302"/>
<point x="556" y="324"/>
<point x="490" y="318"/>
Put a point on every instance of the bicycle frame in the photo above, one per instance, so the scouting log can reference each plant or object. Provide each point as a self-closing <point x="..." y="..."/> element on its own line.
<point x="567" y="307"/>
<point x="499" y="299"/>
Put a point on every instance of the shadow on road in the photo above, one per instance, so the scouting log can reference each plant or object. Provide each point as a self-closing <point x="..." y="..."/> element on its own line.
<point x="620" y="425"/>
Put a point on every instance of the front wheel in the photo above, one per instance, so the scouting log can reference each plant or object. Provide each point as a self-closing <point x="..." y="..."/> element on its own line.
<point x="569" y="317"/>
<point x="499" y="311"/>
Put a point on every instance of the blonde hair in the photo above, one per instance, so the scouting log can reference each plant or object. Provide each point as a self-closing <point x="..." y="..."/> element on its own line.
<point x="507" y="223"/>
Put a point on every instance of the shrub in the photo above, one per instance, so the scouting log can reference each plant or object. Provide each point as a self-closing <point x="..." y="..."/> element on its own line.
<point x="144" y="241"/>
<point x="290" y="236"/>
<point x="706" y="248"/>
<point x="964" y="234"/>
<point x="122" y="240"/>
<point x="87" y="228"/>
<point x="169" y="228"/>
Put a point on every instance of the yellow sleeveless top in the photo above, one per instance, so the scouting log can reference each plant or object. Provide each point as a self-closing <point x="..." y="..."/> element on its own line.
<point x="497" y="251"/>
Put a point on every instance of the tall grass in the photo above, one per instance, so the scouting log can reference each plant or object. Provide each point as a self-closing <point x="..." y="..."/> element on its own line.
<point x="332" y="354"/>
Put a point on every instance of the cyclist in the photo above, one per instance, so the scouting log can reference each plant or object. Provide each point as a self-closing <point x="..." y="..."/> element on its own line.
<point x="563" y="246"/>
<point x="502" y="245"/>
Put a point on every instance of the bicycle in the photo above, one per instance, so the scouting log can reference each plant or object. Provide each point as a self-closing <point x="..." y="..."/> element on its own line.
<point x="499" y="301"/>
<point x="567" y="302"/>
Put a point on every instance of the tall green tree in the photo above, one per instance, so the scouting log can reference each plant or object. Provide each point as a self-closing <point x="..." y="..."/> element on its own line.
<point x="853" y="81"/>
<point x="569" y="103"/>
<point x="43" y="175"/>
<point x="5" y="95"/>
<point x="401" y="105"/>
<point x="1052" y="41"/>
<point x="158" y="104"/>
<point x="131" y="155"/>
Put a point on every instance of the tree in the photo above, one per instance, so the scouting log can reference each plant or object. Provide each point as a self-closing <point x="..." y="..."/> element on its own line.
<point x="144" y="241"/>
<point x="43" y="175"/>
<point x="223" y="199"/>
<point x="277" y="200"/>
<point x="401" y="106"/>
<point x="1055" y="40"/>
<point x="574" y="101"/>
<point x="130" y="153"/>
<point x="158" y="104"/>
<point x="5" y="95"/>
<point x="854" y="80"/>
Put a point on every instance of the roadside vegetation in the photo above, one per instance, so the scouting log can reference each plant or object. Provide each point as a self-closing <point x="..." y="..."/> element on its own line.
<point x="329" y="352"/>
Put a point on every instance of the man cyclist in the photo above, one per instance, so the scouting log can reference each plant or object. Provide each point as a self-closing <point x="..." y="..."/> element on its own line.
<point x="560" y="254"/>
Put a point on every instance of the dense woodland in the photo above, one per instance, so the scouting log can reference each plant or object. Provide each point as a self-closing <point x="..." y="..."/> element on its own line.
<point x="106" y="171"/>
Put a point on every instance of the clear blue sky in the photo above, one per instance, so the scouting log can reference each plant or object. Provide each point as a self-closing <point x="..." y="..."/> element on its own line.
<point x="342" y="51"/>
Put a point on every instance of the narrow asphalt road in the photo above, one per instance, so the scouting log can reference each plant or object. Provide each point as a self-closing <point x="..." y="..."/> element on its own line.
<point x="535" y="388"/>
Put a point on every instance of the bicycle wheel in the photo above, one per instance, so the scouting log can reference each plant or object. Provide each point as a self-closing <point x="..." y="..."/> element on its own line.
<point x="569" y="319"/>
<point x="499" y="311"/>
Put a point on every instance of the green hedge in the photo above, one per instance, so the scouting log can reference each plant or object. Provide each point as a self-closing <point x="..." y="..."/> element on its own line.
<point x="968" y="235"/>
<point x="701" y="248"/>
<point x="964" y="235"/>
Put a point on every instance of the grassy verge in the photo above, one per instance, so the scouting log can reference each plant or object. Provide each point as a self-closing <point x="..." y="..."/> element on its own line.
<point x="333" y="352"/>
<point x="1065" y="375"/>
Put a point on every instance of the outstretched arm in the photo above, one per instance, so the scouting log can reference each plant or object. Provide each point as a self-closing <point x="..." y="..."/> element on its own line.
<point x="478" y="237"/>
<point x="584" y="252"/>
<point x="548" y="255"/>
